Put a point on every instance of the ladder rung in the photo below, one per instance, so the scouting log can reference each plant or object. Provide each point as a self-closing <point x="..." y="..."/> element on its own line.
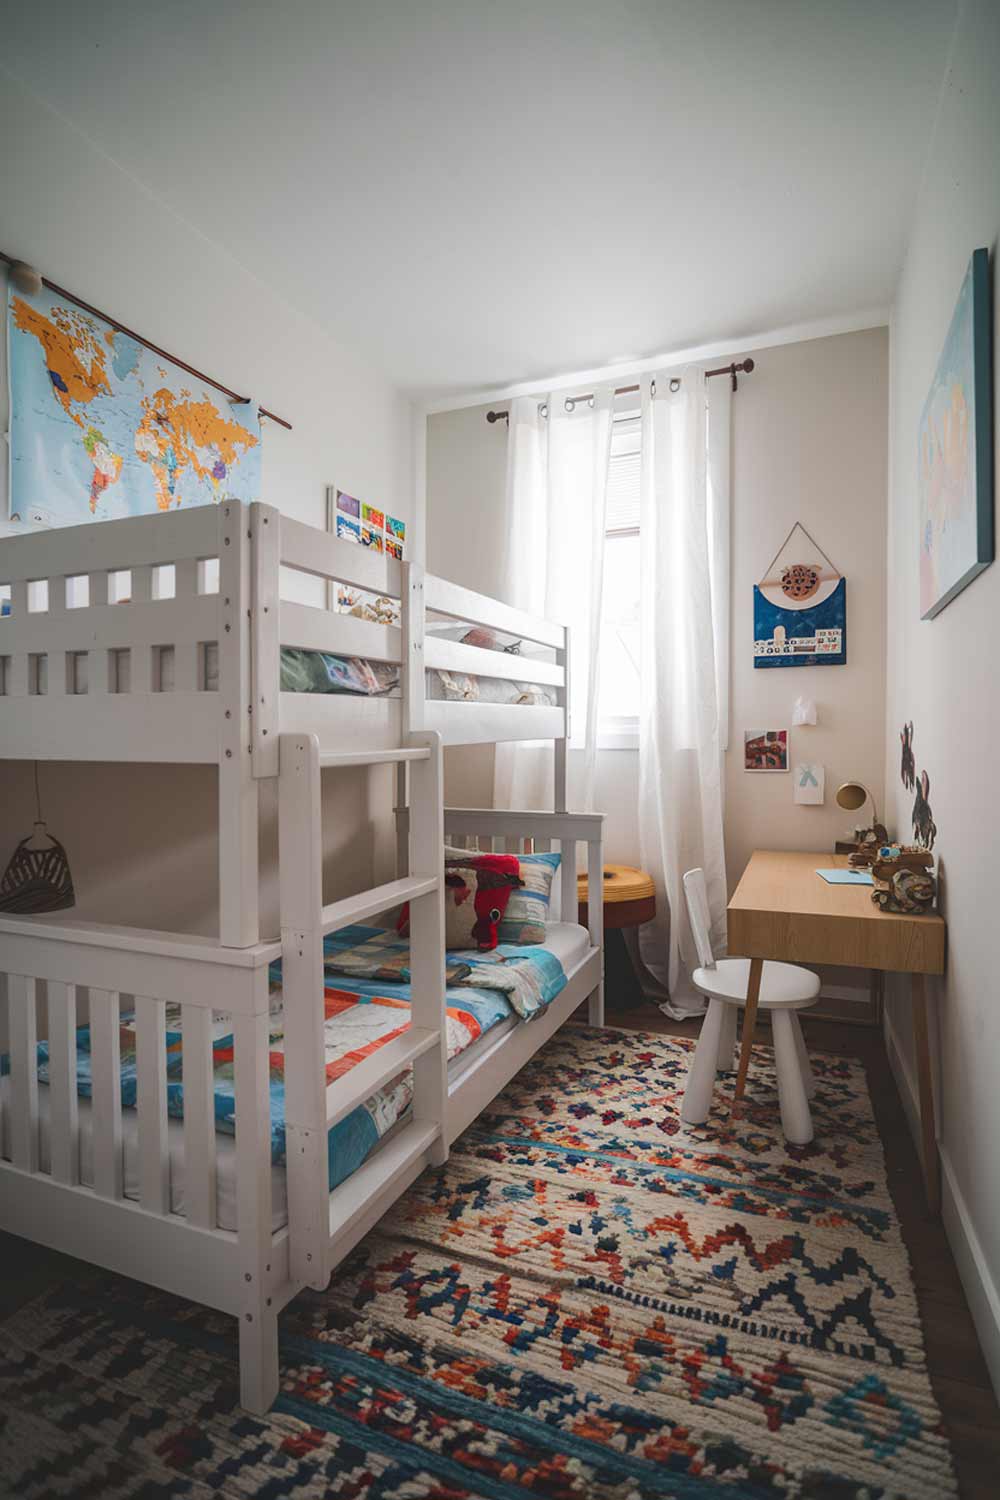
<point x="373" y="757"/>
<point x="379" y="898"/>
<point x="382" y="1066"/>
<point x="380" y="1173"/>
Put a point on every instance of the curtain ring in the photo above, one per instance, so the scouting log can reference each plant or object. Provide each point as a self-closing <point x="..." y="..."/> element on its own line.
<point x="675" y="383"/>
<point x="544" y="409"/>
<point x="570" y="404"/>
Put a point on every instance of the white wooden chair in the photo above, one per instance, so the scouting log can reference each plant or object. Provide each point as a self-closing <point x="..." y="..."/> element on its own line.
<point x="784" y="989"/>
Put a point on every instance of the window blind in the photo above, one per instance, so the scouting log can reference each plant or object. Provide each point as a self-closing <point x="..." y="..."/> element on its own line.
<point x="622" y="514"/>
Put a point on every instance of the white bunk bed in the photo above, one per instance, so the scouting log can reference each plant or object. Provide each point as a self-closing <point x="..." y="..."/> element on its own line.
<point x="121" y="1213"/>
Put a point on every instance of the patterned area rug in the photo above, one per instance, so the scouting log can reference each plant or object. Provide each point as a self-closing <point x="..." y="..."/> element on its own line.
<point x="590" y="1300"/>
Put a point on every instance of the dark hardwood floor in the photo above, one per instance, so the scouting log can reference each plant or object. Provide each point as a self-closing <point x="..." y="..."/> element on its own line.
<point x="957" y="1369"/>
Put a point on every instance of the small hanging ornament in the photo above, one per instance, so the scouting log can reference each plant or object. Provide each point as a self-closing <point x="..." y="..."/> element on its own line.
<point x="38" y="878"/>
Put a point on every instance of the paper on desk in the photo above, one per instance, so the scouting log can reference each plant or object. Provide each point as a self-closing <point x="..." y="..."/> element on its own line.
<point x="846" y="877"/>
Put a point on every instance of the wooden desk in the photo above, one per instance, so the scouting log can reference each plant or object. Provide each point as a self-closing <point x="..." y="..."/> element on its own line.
<point x="783" y="910"/>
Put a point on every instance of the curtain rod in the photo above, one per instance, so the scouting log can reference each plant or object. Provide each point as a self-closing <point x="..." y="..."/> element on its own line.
<point x="61" y="291"/>
<point x="745" y="366"/>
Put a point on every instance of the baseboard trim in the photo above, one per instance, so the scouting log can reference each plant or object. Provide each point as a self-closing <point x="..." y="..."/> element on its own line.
<point x="973" y="1268"/>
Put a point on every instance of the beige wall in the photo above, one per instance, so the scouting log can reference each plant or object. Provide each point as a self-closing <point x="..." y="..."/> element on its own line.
<point x="943" y="675"/>
<point x="142" y="840"/>
<point x="809" y="444"/>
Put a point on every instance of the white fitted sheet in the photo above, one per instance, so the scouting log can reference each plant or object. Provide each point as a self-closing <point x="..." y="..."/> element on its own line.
<point x="568" y="942"/>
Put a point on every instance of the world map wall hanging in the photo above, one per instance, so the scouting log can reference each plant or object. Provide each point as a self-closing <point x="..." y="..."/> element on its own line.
<point x="101" y="426"/>
<point x="800" y="608"/>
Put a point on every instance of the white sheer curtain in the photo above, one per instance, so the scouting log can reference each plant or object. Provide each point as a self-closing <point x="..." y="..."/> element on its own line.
<point x="684" y="525"/>
<point x="557" y="475"/>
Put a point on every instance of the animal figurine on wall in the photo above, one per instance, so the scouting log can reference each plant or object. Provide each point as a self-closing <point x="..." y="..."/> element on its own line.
<point x="908" y="762"/>
<point x="924" y="826"/>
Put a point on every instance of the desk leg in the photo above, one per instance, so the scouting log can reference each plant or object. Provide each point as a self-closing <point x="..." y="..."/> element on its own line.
<point x="932" y="1165"/>
<point x="749" y="1026"/>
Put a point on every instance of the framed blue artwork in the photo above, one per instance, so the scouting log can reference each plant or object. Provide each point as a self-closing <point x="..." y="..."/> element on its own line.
<point x="800" y="608"/>
<point x="955" y="459"/>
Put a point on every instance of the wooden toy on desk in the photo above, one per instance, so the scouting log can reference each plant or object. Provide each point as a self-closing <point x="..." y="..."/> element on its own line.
<point x="903" y="882"/>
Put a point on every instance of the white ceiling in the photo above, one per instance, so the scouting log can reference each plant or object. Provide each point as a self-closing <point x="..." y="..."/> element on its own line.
<point x="485" y="191"/>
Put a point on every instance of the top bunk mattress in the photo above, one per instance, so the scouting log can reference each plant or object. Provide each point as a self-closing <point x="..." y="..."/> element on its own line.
<point x="322" y="672"/>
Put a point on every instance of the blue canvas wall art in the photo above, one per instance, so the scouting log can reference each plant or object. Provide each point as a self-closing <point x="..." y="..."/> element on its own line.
<point x="955" y="461"/>
<point x="800" y="608"/>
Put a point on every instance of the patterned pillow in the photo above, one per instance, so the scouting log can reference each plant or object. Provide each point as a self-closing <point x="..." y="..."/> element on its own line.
<point x="478" y="888"/>
<point x="523" y="920"/>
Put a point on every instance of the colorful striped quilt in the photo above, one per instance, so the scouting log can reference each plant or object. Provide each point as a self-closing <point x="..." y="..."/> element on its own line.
<point x="361" y="1015"/>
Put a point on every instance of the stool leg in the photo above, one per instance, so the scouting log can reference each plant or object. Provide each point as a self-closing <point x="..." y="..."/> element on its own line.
<point x="804" y="1064"/>
<point x="701" y="1075"/>
<point x="796" y="1121"/>
<point x="727" y="1039"/>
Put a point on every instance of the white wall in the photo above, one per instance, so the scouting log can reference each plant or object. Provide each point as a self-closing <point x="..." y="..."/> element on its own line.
<point x="943" y="675"/>
<point x="141" y="840"/>
<point x="809" y="444"/>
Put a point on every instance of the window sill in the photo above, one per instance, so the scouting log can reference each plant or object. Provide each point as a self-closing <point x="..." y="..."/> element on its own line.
<point x="618" y="737"/>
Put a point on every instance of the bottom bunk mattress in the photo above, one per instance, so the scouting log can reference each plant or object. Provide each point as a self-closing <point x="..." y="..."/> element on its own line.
<point x="361" y="1016"/>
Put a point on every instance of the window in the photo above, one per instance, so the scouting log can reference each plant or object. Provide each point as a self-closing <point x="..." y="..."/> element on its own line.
<point x="619" y="690"/>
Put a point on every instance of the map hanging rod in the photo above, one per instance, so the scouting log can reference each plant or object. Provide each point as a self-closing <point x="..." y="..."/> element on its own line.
<point x="27" y="279"/>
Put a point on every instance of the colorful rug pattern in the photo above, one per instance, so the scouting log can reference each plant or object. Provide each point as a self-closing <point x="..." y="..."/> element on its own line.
<point x="589" y="1300"/>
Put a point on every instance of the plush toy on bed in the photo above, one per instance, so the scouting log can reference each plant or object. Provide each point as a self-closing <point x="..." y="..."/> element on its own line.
<point x="477" y="890"/>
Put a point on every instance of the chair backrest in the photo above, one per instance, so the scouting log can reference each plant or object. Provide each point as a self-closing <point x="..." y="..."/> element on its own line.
<point x="696" y="894"/>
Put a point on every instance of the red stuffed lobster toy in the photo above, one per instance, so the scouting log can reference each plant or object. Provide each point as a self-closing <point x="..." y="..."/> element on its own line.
<point x="489" y="879"/>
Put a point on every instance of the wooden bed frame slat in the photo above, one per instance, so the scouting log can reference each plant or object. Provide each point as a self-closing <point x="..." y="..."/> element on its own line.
<point x="63" y="1099"/>
<point x="151" y="1079"/>
<point x="23" y="1024"/>
<point x="106" y="1093"/>
<point x="199" y="1116"/>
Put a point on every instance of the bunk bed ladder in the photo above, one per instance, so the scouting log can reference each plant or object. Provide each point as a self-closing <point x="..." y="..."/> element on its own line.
<point x="323" y="1226"/>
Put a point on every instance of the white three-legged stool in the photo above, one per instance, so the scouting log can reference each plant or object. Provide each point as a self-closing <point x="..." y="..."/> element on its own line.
<point x="784" y="989"/>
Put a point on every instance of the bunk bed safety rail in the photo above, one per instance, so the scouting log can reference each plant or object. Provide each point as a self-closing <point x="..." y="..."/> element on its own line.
<point x="500" y="832"/>
<point x="323" y="1226"/>
<point x="56" y="978"/>
<point x="94" y="618"/>
<point x="309" y="556"/>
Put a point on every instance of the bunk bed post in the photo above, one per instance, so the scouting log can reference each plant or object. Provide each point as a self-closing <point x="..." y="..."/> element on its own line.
<point x="238" y="805"/>
<point x="300" y="853"/>
<point x="258" y="1316"/>
<point x="402" y="814"/>
<point x="561" y="746"/>
<point x="427" y="943"/>
<point x="413" y="678"/>
<point x="595" y="923"/>
<point x="265" y="656"/>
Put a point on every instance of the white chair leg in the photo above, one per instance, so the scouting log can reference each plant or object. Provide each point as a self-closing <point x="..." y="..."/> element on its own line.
<point x="701" y="1076"/>
<point x="727" y="1039"/>
<point x="796" y="1120"/>
<point x="809" y="1082"/>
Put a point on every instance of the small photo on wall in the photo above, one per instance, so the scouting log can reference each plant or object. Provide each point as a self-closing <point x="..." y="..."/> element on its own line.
<point x="348" y="504"/>
<point x="765" y="749"/>
<point x="810" y="781"/>
<point x="375" y="518"/>
<point x="371" y="538"/>
<point x="394" y="547"/>
<point x="396" y="528"/>
<point x="348" y="530"/>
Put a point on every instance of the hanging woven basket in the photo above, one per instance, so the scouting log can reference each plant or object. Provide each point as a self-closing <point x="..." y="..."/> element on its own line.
<point x="37" y="878"/>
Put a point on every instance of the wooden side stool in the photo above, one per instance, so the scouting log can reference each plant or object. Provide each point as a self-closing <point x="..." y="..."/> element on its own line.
<point x="629" y="900"/>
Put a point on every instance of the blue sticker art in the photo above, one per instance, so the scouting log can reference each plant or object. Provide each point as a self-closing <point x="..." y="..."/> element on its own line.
<point x="800" y="608"/>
